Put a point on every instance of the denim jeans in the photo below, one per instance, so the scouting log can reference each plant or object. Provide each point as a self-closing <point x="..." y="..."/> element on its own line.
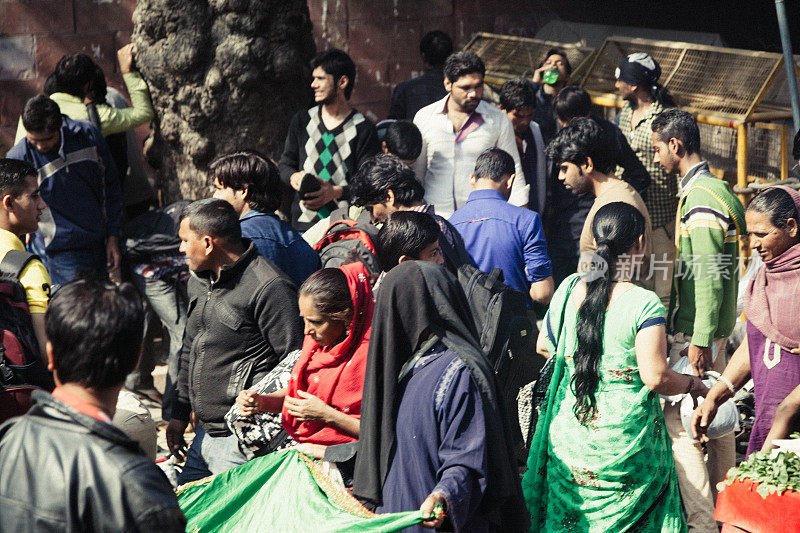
<point x="210" y="455"/>
<point x="65" y="266"/>
<point x="168" y="300"/>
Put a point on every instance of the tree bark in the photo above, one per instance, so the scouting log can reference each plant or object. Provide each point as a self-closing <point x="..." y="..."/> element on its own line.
<point x="224" y="75"/>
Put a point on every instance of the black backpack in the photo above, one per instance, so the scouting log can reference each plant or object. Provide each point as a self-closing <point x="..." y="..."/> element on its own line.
<point x="501" y="317"/>
<point x="21" y="371"/>
<point x="347" y="240"/>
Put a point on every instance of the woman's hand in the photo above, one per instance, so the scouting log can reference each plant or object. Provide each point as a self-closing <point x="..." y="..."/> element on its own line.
<point x="247" y="402"/>
<point x="435" y="505"/>
<point x="702" y="418"/>
<point x="698" y="389"/>
<point x="308" y="407"/>
<point x="317" y="451"/>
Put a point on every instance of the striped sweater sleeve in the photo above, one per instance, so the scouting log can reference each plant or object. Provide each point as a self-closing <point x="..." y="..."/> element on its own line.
<point x="705" y="222"/>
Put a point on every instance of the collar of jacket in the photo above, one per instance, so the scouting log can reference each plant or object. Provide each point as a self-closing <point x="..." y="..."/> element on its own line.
<point x="232" y="269"/>
<point x="45" y="405"/>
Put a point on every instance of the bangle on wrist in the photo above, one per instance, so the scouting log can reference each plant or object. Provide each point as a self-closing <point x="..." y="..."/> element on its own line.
<point x="727" y="383"/>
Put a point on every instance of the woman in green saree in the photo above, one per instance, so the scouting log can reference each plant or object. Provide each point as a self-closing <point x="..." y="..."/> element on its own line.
<point x="600" y="459"/>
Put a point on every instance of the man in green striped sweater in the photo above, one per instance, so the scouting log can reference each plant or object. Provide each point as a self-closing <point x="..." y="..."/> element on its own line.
<point x="703" y="300"/>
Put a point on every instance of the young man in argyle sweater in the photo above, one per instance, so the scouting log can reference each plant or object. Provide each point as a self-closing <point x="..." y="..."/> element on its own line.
<point x="329" y="141"/>
<point x="703" y="301"/>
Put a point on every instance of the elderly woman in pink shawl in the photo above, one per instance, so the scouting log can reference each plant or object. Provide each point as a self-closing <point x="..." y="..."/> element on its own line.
<point x="770" y="352"/>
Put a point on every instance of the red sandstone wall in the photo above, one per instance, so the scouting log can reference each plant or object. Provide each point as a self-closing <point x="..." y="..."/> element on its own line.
<point x="382" y="36"/>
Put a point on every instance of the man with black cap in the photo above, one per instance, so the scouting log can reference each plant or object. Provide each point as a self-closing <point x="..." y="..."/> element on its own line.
<point x="637" y="83"/>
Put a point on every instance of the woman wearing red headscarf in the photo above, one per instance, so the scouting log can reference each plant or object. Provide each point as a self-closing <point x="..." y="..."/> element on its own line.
<point x="322" y="403"/>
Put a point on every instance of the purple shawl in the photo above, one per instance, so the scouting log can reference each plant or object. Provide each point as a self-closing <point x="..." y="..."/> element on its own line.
<point x="772" y="301"/>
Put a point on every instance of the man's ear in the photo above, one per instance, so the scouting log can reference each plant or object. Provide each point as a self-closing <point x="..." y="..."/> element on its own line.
<point x="208" y="243"/>
<point x="510" y="181"/>
<point x="404" y="258"/>
<point x="384" y="148"/>
<point x="390" y="198"/>
<point x="245" y="193"/>
<point x="6" y="202"/>
<point x="676" y="146"/>
<point x="588" y="166"/>
<point x="473" y="181"/>
<point x="343" y="82"/>
<point x="448" y="85"/>
<point x="48" y="350"/>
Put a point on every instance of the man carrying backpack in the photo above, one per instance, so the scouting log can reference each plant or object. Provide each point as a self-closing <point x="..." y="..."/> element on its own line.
<point x="24" y="291"/>
<point x="20" y="209"/>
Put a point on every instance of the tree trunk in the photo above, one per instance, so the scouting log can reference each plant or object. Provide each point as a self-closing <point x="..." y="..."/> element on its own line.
<point x="224" y="75"/>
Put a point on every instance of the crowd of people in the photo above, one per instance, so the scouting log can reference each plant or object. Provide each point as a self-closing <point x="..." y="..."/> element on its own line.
<point x="342" y="328"/>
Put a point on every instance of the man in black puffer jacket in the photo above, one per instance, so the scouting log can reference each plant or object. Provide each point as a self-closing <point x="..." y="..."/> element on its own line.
<point x="63" y="465"/>
<point x="243" y="318"/>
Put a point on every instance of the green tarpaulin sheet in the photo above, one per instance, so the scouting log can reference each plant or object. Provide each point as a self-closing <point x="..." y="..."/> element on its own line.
<point x="283" y="491"/>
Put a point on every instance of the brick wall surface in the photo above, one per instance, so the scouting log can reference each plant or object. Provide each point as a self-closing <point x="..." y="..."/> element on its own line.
<point x="382" y="36"/>
<point x="56" y="27"/>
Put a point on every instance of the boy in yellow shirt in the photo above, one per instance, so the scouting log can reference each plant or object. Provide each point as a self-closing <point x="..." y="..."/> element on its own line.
<point x="20" y="210"/>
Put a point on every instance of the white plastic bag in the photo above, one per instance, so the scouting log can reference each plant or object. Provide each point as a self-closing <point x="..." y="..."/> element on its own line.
<point x="725" y="422"/>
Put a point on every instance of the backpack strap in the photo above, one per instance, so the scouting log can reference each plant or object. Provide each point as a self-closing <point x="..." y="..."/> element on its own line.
<point x="493" y="277"/>
<point x="14" y="262"/>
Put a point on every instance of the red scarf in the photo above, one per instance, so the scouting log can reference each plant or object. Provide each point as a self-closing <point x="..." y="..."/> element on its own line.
<point x="335" y="374"/>
<point x="772" y="300"/>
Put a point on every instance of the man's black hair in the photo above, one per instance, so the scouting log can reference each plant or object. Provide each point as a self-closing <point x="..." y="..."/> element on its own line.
<point x="381" y="173"/>
<point x="572" y="102"/>
<point x="40" y="115"/>
<point x="678" y="124"/>
<point x="463" y="63"/>
<point x="337" y="63"/>
<point x="405" y="233"/>
<point x="73" y="72"/>
<point x="12" y="176"/>
<point x="96" y="331"/>
<point x="560" y="52"/>
<point x="494" y="164"/>
<point x="404" y="140"/>
<point x="251" y="170"/>
<point x="214" y="217"/>
<point x="580" y="140"/>
<point x="435" y="46"/>
<point x="517" y="94"/>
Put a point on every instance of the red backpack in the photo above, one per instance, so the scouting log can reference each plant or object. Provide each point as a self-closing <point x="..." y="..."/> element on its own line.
<point x="348" y="240"/>
<point x="21" y="371"/>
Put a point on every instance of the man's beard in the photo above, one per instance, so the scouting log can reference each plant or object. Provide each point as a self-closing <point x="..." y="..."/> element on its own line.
<point x="331" y="98"/>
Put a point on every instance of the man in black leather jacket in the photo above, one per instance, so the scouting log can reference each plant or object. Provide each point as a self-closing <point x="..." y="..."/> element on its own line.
<point x="243" y="319"/>
<point x="63" y="465"/>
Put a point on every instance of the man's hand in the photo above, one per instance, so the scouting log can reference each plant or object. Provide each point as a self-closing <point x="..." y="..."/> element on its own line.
<point x="427" y="509"/>
<point x="327" y="192"/>
<point x="296" y="179"/>
<point x="113" y="256"/>
<point x="537" y="74"/>
<point x="307" y="408"/>
<point x="175" y="441"/>
<point x="125" y="58"/>
<point x="701" y="358"/>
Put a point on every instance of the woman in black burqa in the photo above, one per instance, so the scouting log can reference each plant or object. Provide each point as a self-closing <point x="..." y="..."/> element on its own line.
<point x="427" y="375"/>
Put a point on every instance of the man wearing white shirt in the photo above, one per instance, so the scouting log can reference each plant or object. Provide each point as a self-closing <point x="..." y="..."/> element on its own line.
<point x="456" y="130"/>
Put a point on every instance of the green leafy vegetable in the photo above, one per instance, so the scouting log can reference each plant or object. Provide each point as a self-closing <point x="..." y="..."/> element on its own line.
<point x="773" y="475"/>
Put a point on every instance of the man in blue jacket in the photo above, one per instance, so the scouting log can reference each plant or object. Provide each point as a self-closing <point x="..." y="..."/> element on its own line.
<point x="250" y="182"/>
<point x="79" y="182"/>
